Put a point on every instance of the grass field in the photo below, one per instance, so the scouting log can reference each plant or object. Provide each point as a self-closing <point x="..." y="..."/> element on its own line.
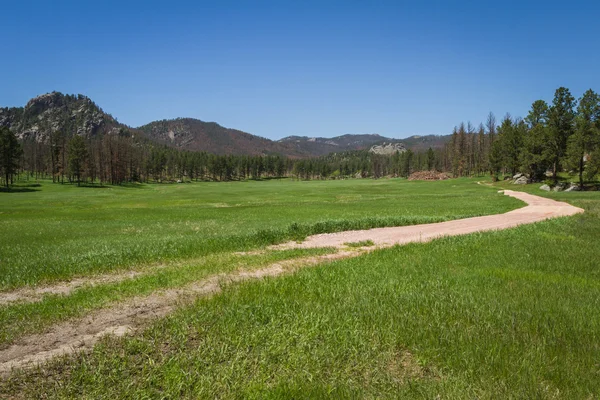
<point x="509" y="314"/>
<point x="56" y="232"/>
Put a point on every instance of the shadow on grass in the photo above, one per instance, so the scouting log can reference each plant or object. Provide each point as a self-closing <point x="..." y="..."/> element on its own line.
<point x="17" y="189"/>
<point x="133" y="185"/>
<point x="88" y="186"/>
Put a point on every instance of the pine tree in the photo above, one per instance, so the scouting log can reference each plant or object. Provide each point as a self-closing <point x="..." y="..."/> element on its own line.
<point x="430" y="159"/>
<point x="533" y="160"/>
<point x="78" y="157"/>
<point x="585" y="139"/>
<point x="10" y="152"/>
<point x="493" y="156"/>
<point x="560" y="127"/>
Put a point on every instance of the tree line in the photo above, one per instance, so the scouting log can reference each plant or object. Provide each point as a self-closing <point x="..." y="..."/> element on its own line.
<point x="118" y="157"/>
<point x="564" y="135"/>
<point x="561" y="136"/>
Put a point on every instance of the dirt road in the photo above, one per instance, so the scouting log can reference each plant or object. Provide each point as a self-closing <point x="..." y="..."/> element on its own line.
<point x="537" y="209"/>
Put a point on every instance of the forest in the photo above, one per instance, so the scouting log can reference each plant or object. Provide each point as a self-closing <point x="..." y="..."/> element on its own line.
<point x="561" y="136"/>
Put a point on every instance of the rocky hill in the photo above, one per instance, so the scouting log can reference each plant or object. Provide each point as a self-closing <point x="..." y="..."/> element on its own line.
<point x="322" y="146"/>
<point x="319" y="146"/>
<point x="79" y="115"/>
<point x="57" y="112"/>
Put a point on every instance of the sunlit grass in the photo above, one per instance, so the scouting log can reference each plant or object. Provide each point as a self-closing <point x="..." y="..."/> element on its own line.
<point x="507" y="314"/>
<point x="25" y="318"/>
<point x="60" y="231"/>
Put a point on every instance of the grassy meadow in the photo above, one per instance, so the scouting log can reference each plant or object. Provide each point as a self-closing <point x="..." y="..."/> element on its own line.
<point x="508" y="314"/>
<point x="52" y="232"/>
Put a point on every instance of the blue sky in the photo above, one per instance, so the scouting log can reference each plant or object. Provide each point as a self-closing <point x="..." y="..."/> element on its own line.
<point x="316" y="68"/>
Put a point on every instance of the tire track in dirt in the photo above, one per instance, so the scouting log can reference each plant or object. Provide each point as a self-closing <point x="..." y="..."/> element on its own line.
<point x="33" y="294"/>
<point x="81" y="334"/>
<point x="126" y="317"/>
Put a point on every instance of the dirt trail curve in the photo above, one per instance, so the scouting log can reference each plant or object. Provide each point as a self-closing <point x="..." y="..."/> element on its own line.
<point x="77" y="335"/>
<point x="537" y="209"/>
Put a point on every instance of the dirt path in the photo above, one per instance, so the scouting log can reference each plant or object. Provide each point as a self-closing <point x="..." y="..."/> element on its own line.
<point x="32" y="294"/>
<point x="537" y="209"/>
<point x="66" y="338"/>
<point x="77" y="335"/>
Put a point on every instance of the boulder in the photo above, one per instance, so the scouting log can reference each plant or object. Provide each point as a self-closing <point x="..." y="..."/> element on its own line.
<point x="522" y="180"/>
<point x="546" y="188"/>
<point x="517" y="176"/>
<point x="573" y="188"/>
<point x="559" y="187"/>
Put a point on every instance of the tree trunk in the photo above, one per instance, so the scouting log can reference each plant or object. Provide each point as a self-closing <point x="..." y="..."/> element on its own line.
<point x="581" y="172"/>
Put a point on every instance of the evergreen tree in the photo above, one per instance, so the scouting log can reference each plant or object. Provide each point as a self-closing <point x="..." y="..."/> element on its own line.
<point x="586" y="136"/>
<point x="493" y="156"/>
<point x="533" y="159"/>
<point x="10" y="152"/>
<point x="78" y="156"/>
<point x="561" y="118"/>
<point x="510" y="138"/>
<point x="430" y="159"/>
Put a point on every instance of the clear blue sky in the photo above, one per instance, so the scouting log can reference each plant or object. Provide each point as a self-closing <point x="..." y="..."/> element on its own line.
<point x="316" y="68"/>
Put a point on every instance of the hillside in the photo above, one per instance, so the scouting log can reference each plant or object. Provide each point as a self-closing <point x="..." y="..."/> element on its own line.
<point x="57" y="112"/>
<point x="79" y="115"/>
<point x="193" y="134"/>
<point x="422" y="143"/>
<point x="322" y="146"/>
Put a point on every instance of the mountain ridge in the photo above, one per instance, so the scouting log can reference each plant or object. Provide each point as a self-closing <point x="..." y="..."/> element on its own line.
<point x="79" y="115"/>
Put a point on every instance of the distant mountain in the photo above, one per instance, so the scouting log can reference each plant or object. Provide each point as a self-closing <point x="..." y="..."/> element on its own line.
<point x="422" y="143"/>
<point x="79" y="115"/>
<point x="193" y="134"/>
<point x="57" y="112"/>
<point x="322" y="146"/>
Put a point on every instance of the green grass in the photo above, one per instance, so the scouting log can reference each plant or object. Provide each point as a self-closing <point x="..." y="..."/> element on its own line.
<point x="509" y="314"/>
<point x="18" y="319"/>
<point x="52" y="232"/>
<point x="362" y="243"/>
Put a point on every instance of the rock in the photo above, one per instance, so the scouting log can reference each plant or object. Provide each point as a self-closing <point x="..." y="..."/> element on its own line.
<point x="559" y="187"/>
<point x="388" y="149"/>
<point x="521" y="180"/>
<point x="549" y="173"/>
<point x="573" y="188"/>
<point x="517" y="176"/>
<point x="179" y="181"/>
<point x="546" y="188"/>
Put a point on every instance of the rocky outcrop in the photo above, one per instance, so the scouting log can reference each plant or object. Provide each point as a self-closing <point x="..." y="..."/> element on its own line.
<point x="573" y="188"/>
<point x="520" y="179"/>
<point x="56" y="112"/>
<point x="561" y="187"/>
<point x="388" y="149"/>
